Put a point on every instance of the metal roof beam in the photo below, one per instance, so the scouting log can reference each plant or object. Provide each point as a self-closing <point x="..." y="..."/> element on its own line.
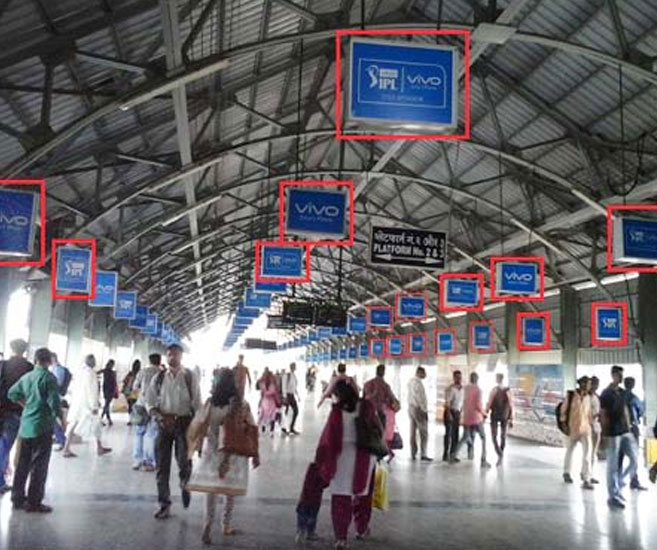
<point x="111" y="63"/>
<point x="302" y="12"/>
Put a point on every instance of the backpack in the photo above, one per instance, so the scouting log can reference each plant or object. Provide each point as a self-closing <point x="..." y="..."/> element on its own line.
<point x="564" y="426"/>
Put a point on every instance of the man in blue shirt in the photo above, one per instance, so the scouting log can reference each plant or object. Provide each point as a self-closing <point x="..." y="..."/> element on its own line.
<point x="63" y="376"/>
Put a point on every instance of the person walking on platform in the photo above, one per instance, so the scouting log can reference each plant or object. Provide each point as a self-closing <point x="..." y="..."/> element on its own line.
<point x="64" y="377"/>
<point x="596" y="428"/>
<point x="11" y="372"/>
<point x="615" y="418"/>
<point x="110" y="390"/>
<point x="39" y="393"/>
<point x="242" y="375"/>
<point x="269" y="400"/>
<point x="637" y="410"/>
<point x="347" y="469"/>
<point x="84" y="412"/>
<point x="172" y="398"/>
<point x="143" y="454"/>
<point x="452" y="414"/>
<point x="578" y="416"/>
<point x="418" y="411"/>
<point x="473" y="421"/>
<point x="128" y="386"/>
<point x="378" y="392"/>
<point x="290" y="395"/>
<point x="500" y="408"/>
<point x="330" y="388"/>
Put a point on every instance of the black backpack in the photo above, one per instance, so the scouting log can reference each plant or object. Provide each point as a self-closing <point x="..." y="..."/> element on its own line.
<point x="66" y="383"/>
<point x="564" y="426"/>
<point x="188" y="381"/>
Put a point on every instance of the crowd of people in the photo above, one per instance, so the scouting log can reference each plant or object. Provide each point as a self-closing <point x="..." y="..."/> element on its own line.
<point x="171" y="421"/>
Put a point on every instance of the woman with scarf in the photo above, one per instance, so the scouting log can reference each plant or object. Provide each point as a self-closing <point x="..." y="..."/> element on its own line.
<point x="269" y="401"/>
<point x="347" y="469"/>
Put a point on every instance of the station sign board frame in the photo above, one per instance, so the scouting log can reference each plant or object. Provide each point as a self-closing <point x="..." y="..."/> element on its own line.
<point x="605" y="333"/>
<point x="533" y="330"/>
<point x="411" y="300"/>
<point x="447" y="299"/>
<point x="372" y="324"/>
<point x="438" y="349"/>
<point x="620" y="248"/>
<point x="506" y="265"/>
<point x="413" y="337"/>
<point x="260" y="273"/>
<point x="476" y="330"/>
<point x="87" y="255"/>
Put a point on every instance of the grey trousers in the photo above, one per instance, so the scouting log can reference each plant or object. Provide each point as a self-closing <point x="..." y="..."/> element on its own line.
<point x="419" y="421"/>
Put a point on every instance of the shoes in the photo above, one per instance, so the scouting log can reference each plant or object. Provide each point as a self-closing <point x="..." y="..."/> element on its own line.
<point x="638" y="487"/>
<point x="485" y="464"/>
<point x="341" y="545"/>
<point x="186" y="498"/>
<point x="594" y="481"/>
<point x="164" y="512"/>
<point x="500" y="460"/>
<point x="38" y="509"/>
<point x="454" y="460"/>
<point x="136" y="466"/>
<point x="312" y="537"/>
<point x="567" y="478"/>
<point x="300" y="538"/>
<point x="18" y="505"/>
<point x="616" y="503"/>
<point x="228" y="531"/>
<point x="100" y="451"/>
<point x="294" y="432"/>
<point x="588" y="486"/>
<point x="653" y="475"/>
<point x="149" y="468"/>
<point x="426" y="459"/>
<point x="205" y="535"/>
<point x="365" y="535"/>
<point x="285" y="432"/>
<point x="69" y="454"/>
<point x="445" y="458"/>
<point x="413" y="458"/>
<point x="58" y="448"/>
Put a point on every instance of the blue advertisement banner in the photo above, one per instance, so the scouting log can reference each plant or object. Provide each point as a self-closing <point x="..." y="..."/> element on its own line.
<point x="357" y="325"/>
<point x="151" y="325"/>
<point x="482" y="337"/>
<point x="396" y="346"/>
<point x="363" y="351"/>
<point x="418" y="343"/>
<point x="342" y="354"/>
<point x="141" y="313"/>
<point x="247" y="312"/>
<point x="18" y="211"/>
<point x="255" y="299"/>
<point x="533" y="331"/>
<point x="353" y="352"/>
<point x="282" y="261"/>
<point x="637" y="241"/>
<point x="338" y="331"/>
<point x="334" y="354"/>
<point x="271" y="287"/>
<point x="461" y="292"/>
<point x="73" y="273"/>
<point x="313" y="336"/>
<point x="412" y="307"/>
<point x="398" y="84"/>
<point x="126" y="306"/>
<point x="243" y="321"/>
<point x="380" y="318"/>
<point x="517" y="278"/>
<point x="378" y="348"/>
<point x="313" y="212"/>
<point x="107" y="285"/>
<point x="445" y="342"/>
<point x="609" y="323"/>
<point x="324" y="332"/>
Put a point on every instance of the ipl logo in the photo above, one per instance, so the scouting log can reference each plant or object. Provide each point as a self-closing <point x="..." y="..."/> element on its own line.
<point x="383" y="79"/>
<point x="74" y="269"/>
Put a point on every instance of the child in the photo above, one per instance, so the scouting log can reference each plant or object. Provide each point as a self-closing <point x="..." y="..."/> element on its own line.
<point x="309" y="504"/>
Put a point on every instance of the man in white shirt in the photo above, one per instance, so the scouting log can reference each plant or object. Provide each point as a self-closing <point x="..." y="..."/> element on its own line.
<point x="290" y="393"/>
<point x="143" y="453"/>
<point x="596" y="428"/>
<point x="418" y="411"/>
<point x="172" y="398"/>
<point x="452" y="416"/>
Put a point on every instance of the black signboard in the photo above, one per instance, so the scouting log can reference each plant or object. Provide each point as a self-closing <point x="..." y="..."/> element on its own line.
<point x="401" y="247"/>
<point x="276" y="322"/>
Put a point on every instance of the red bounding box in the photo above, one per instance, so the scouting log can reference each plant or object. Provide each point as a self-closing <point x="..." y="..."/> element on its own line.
<point x="610" y="238"/>
<point x="451" y="276"/>
<point x="495" y="297"/>
<point x="331" y="185"/>
<point x="471" y="340"/>
<point x="436" y="341"/>
<point x="42" y="216"/>
<point x="372" y="310"/>
<point x="521" y="315"/>
<point x="292" y="280"/>
<point x="622" y="341"/>
<point x="399" y="314"/>
<point x="84" y="243"/>
<point x="339" y="101"/>
<point x="409" y="344"/>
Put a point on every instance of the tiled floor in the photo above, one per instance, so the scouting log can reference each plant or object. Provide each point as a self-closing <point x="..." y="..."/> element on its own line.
<point x="101" y="503"/>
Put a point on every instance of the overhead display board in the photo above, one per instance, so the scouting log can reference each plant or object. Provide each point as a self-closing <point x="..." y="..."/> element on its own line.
<point x="276" y="322"/>
<point x="517" y="279"/>
<point x="411" y="248"/>
<point x="378" y="348"/>
<point x="461" y="291"/>
<point x="282" y="262"/>
<point x="357" y="325"/>
<point x="379" y="318"/>
<point x="126" y="306"/>
<point x="396" y="346"/>
<point x="410" y="306"/>
<point x="445" y="341"/>
<point x="151" y="325"/>
<point x="255" y="299"/>
<point x="107" y="285"/>
<point x="609" y="324"/>
<point x="418" y="344"/>
<point x="18" y="222"/>
<point x="634" y="241"/>
<point x="352" y="352"/>
<point x="270" y="287"/>
<point x="74" y="269"/>
<point x="533" y="331"/>
<point x="141" y="315"/>
<point x="481" y="337"/>
<point x="363" y="351"/>
<point x="324" y="332"/>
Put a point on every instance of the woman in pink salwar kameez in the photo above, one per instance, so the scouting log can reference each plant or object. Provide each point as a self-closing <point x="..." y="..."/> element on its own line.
<point x="348" y="470"/>
<point x="268" y="402"/>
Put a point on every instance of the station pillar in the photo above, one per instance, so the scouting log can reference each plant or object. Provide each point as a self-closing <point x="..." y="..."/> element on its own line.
<point x="9" y="282"/>
<point x="570" y="324"/>
<point x="40" y="315"/>
<point x="76" y="310"/>
<point x="511" y="310"/>
<point x="648" y="336"/>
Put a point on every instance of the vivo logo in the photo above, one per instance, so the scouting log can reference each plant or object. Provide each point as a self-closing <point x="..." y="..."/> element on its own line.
<point x="383" y="79"/>
<point x="413" y="307"/>
<point x="17" y="221"/>
<point x="326" y="211"/>
<point x="519" y="277"/>
<point x="75" y="269"/>
<point x="105" y="289"/>
<point x="425" y="81"/>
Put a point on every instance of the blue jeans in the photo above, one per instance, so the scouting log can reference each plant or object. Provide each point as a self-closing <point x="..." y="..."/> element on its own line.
<point x="9" y="425"/>
<point x="144" y="449"/>
<point x="60" y="437"/>
<point x="615" y="445"/>
<point x="307" y="518"/>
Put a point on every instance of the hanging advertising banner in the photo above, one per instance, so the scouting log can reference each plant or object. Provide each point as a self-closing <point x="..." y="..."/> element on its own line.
<point x="342" y="354"/>
<point x="379" y="318"/>
<point x="363" y="351"/>
<point x="481" y="337"/>
<point x="280" y="288"/>
<point x="412" y="248"/>
<point x="320" y="209"/>
<point x="261" y="300"/>
<point x="248" y="312"/>
<point x="313" y="336"/>
<point x="378" y="348"/>
<point x="396" y="346"/>
<point x="324" y="332"/>
<point x="609" y="325"/>
<point x="533" y="330"/>
<point x="631" y="240"/>
<point x="334" y="353"/>
<point x="461" y="292"/>
<point x="418" y="344"/>
<point x="352" y="352"/>
<point x="338" y="331"/>
<point x="126" y="307"/>
<point x="107" y="285"/>
<point x="151" y="325"/>
<point x="141" y="314"/>
<point x="357" y="325"/>
<point x="410" y="306"/>
<point x="402" y="85"/>
<point x="73" y="269"/>
<point x="444" y="341"/>
<point x="282" y="262"/>
<point x="518" y="279"/>
<point x="18" y="222"/>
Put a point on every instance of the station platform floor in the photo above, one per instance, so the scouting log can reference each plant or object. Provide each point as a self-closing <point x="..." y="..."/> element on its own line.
<point x="100" y="503"/>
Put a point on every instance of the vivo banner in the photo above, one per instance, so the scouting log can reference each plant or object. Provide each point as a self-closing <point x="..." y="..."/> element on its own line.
<point x="418" y="344"/>
<point x="378" y="348"/>
<point x="363" y="351"/>
<point x="461" y="292"/>
<point x="533" y="331"/>
<point x="609" y="324"/>
<point x="635" y="240"/>
<point x="399" y="84"/>
<point x="141" y="314"/>
<point x="260" y="300"/>
<point x="521" y="278"/>
<point x="271" y="287"/>
<point x="126" y="306"/>
<point x="396" y="346"/>
<point x="151" y="325"/>
<point x="107" y="285"/>
<point x="18" y="212"/>
<point x="481" y="337"/>
<point x="316" y="213"/>
<point x="380" y="318"/>
<point x="411" y="307"/>
<point x="357" y="325"/>
<point x="282" y="261"/>
<point x="73" y="273"/>
<point x="445" y="342"/>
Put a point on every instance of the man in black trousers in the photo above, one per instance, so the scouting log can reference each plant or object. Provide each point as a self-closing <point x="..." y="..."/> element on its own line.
<point x="452" y="417"/>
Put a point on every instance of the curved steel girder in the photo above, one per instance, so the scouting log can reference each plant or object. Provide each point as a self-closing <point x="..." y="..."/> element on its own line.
<point x="208" y="65"/>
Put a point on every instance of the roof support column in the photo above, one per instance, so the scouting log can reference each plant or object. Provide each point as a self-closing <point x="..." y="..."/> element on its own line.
<point x="76" y="310"/>
<point x="511" y="310"/>
<point x="648" y="334"/>
<point x="570" y="323"/>
<point x="40" y="315"/>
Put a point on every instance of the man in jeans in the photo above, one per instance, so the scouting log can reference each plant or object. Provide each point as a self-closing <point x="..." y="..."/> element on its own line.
<point x="473" y="421"/>
<point x="143" y="453"/>
<point x="172" y="398"/>
<point x="501" y="414"/>
<point x="63" y="376"/>
<point x="418" y="411"/>
<point x="616" y="423"/>
<point x="452" y="415"/>
<point x="637" y="411"/>
<point x="11" y="371"/>
<point x="39" y="393"/>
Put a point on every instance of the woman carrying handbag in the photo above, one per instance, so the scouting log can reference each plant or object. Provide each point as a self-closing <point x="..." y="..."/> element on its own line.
<point x="231" y="440"/>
